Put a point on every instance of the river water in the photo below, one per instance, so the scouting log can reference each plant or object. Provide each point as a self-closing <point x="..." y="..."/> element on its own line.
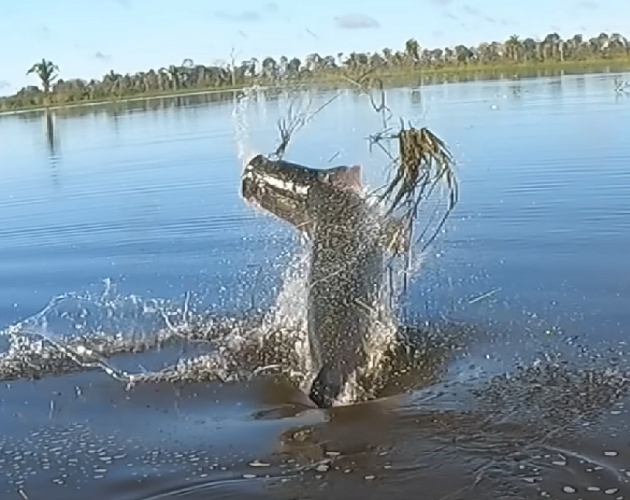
<point x="134" y="278"/>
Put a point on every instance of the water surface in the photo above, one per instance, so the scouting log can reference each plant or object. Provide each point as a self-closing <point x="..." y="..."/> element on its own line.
<point x="126" y="225"/>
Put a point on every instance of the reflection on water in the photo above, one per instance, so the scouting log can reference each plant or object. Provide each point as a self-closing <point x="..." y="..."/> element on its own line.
<point x="531" y="402"/>
<point x="158" y="104"/>
<point x="52" y="143"/>
<point x="116" y="109"/>
<point x="50" y="132"/>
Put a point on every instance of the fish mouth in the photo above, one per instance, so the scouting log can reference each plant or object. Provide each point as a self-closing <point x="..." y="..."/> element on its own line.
<point x="290" y="191"/>
<point x="279" y="187"/>
<point x="282" y="179"/>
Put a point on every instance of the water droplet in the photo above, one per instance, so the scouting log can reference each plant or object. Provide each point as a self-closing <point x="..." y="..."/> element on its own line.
<point x="569" y="489"/>
<point x="257" y="463"/>
<point x="611" y="453"/>
<point x="611" y="491"/>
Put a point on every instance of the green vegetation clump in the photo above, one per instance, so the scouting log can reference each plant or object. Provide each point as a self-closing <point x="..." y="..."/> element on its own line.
<point x="514" y="56"/>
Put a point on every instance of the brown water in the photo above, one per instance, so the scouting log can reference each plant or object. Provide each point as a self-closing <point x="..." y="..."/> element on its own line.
<point x="516" y="386"/>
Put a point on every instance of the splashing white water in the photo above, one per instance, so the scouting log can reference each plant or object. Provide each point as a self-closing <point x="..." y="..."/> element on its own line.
<point x="289" y="312"/>
<point x="244" y="149"/>
<point x="237" y="346"/>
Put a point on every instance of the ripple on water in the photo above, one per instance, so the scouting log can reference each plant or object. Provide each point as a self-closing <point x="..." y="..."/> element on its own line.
<point x="71" y="461"/>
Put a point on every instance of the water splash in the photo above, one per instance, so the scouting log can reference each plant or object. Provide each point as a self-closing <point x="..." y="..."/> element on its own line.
<point x="244" y="149"/>
<point x="289" y="312"/>
<point x="90" y="331"/>
<point x="78" y="332"/>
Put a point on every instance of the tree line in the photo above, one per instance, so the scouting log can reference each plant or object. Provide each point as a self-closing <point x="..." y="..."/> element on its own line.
<point x="412" y="59"/>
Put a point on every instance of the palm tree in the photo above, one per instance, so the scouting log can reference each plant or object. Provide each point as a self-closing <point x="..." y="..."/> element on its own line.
<point x="47" y="72"/>
<point x="186" y="72"/>
<point x="530" y="48"/>
<point x="113" y="82"/>
<point x="282" y="65"/>
<point x="313" y="62"/>
<point x="575" y="46"/>
<point x="190" y="75"/>
<point x="388" y="54"/>
<point x="270" y="68"/>
<point x="293" y="68"/>
<point x="174" y="74"/>
<point x="377" y="61"/>
<point x="513" y="47"/>
<point x="552" y="45"/>
<point x="463" y="54"/>
<point x="618" y="43"/>
<point x="412" y="51"/>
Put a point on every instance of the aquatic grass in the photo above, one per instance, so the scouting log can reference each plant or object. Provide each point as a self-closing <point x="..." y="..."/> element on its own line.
<point x="296" y="120"/>
<point x="422" y="163"/>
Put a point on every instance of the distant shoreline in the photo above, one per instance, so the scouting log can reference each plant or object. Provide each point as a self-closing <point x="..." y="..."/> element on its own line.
<point x="595" y="66"/>
<point x="107" y="102"/>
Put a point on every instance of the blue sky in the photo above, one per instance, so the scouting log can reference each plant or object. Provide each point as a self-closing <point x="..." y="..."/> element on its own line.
<point x="87" y="38"/>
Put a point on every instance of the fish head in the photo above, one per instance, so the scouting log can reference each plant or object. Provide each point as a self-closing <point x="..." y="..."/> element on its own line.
<point x="294" y="192"/>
